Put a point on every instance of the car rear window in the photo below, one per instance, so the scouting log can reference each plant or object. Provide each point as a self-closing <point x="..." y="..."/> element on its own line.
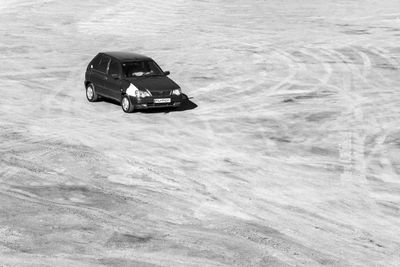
<point x="95" y="61"/>
<point x="102" y="64"/>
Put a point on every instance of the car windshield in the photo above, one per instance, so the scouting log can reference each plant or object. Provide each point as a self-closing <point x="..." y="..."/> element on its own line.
<point x="141" y="68"/>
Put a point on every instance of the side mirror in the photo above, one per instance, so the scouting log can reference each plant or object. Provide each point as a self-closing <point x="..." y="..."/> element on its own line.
<point x="167" y="72"/>
<point x="116" y="76"/>
<point x="125" y="84"/>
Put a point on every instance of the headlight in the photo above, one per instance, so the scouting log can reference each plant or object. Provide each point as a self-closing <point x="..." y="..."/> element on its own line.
<point x="176" y="91"/>
<point x="141" y="94"/>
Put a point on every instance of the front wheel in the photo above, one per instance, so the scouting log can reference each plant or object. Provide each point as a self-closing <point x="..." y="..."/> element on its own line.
<point x="91" y="94"/>
<point x="126" y="104"/>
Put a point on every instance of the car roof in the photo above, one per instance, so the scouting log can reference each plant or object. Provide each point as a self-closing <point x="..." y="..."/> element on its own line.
<point x="126" y="56"/>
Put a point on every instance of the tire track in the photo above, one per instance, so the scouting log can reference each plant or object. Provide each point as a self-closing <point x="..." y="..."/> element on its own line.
<point x="353" y="149"/>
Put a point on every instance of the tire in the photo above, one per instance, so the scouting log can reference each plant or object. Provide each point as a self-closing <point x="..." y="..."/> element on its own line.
<point x="91" y="94"/>
<point x="126" y="104"/>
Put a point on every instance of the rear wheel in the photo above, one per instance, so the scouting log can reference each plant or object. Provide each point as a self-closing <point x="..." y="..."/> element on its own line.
<point x="91" y="94"/>
<point x="126" y="104"/>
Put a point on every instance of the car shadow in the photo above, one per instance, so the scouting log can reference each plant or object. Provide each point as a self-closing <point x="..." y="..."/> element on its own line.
<point x="109" y="100"/>
<point x="187" y="104"/>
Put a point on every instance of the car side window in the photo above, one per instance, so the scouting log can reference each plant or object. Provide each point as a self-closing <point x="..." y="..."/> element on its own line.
<point x="114" y="68"/>
<point x="103" y="64"/>
<point x="95" y="62"/>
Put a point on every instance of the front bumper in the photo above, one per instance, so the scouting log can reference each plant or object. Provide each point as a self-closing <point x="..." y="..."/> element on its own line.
<point x="148" y="102"/>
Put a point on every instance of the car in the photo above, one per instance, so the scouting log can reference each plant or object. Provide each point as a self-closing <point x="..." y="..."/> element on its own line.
<point x="135" y="81"/>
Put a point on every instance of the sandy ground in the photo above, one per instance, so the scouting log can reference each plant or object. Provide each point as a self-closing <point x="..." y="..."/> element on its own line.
<point x="291" y="157"/>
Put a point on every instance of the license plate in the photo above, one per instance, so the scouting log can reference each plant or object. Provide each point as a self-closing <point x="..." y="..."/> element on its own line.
<point x="162" y="100"/>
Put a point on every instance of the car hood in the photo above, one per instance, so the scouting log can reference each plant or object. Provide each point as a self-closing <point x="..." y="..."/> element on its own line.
<point x="155" y="83"/>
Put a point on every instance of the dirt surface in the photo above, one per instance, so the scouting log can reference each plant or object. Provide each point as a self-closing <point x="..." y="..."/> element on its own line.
<point x="287" y="154"/>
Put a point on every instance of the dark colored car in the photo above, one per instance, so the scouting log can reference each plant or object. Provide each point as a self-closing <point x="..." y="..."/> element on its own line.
<point x="134" y="80"/>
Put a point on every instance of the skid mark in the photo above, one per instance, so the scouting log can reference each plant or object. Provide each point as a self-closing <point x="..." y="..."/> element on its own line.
<point x="276" y="96"/>
<point x="293" y="68"/>
<point x="383" y="54"/>
<point x="352" y="148"/>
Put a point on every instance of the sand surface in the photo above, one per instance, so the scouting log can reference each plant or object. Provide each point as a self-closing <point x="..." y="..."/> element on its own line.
<point x="288" y="153"/>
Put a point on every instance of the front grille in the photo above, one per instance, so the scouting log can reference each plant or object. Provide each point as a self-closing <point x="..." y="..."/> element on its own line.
<point x="159" y="105"/>
<point x="161" y="93"/>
